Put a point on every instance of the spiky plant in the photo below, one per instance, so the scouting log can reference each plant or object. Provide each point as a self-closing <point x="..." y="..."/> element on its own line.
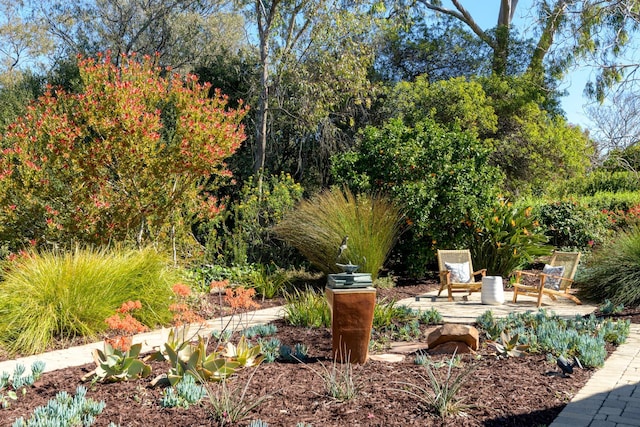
<point x="318" y="225"/>
<point x="613" y="271"/>
<point x="61" y="295"/>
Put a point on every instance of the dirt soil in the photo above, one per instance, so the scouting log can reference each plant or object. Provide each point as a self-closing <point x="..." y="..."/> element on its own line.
<point x="527" y="391"/>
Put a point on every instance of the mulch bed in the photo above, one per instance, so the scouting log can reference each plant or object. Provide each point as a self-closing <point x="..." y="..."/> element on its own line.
<point x="527" y="391"/>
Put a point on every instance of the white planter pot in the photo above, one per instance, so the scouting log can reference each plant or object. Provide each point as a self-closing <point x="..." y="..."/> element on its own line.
<point x="492" y="292"/>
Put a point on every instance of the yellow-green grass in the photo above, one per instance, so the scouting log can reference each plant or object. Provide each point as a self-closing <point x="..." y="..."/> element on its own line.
<point x="48" y="296"/>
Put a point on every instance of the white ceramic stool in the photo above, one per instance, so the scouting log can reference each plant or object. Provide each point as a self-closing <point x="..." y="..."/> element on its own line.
<point x="492" y="292"/>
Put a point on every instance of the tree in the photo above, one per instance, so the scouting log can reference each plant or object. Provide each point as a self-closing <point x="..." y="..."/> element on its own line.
<point x="182" y="32"/>
<point x="309" y="51"/>
<point x="441" y="178"/>
<point x="23" y="41"/>
<point x="617" y="123"/>
<point x="134" y="157"/>
<point x="568" y="31"/>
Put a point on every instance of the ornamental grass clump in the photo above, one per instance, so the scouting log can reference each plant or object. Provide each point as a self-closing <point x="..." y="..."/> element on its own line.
<point x="48" y="296"/>
<point x="317" y="227"/>
<point x="613" y="271"/>
<point x="308" y="309"/>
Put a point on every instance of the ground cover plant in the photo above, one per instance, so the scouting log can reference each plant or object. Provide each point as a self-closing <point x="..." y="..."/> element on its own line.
<point x="291" y="391"/>
<point x="49" y="295"/>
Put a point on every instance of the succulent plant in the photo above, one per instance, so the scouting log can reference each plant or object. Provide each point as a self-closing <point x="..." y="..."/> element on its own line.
<point x="117" y="365"/>
<point x="186" y="357"/>
<point x="509" y="346"/>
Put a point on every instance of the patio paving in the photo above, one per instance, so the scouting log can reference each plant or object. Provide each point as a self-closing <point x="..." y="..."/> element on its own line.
<point x="461" y="311"/>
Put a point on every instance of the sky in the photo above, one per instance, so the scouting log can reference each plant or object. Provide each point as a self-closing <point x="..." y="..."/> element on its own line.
<point x="485" y="13"/>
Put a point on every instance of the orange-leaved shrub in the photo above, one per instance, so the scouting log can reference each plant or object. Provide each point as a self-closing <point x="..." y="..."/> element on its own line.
<point x="135" y="156"/>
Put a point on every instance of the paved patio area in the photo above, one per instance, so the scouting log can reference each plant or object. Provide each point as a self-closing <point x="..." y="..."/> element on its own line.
<point x="461" y="311"/>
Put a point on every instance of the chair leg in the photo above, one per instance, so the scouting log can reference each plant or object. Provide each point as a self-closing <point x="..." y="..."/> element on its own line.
<point x="515" y="293"/>
<point x="540" y="298"/>
<point x="441" y="288"/>
<point x="450" y="297"/>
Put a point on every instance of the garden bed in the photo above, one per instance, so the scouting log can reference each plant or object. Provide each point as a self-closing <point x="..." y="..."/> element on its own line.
<point x="527" y="391"/>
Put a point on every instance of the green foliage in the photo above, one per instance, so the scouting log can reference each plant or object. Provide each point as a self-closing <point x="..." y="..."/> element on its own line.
<point x="341" y="380"/>
<point x="307" y="309"/>
<point x="440" y="394"/>
<point x="572" y="225"/>
<point x="63" y="295"/>
<point x="533" y="146"/>
<point x="297" y="354"/>
<point x="601" y="181"/>
<point x="613" y="271"/>
<point x="231" y="404"/>
<point x="133" y="158"/>
<point x="118" y="365"/>
<point x="191" y="358"/>
<point x="387" y="313"/>
<point x="505" y="238"/>
<point x="610" y="308"/>
<point x="269" y="281"/>
<point x="430" y="317"/>
<point x="11" y="384"/>
<point x="244" y="235"/>
<point x="317" y="226"/>
<point x="509" y="346"/>
<point x="258" y="423"/>
<point x="543" y="332"/>
<point x="260" y="331"/>
<point x="456" y="103"/>
<point x="185" y="393"/>
<point x="270" y="348"/>
<point x="64" y="411"/>
<point x="386" y="282"/>
<point x="441" y="178"/>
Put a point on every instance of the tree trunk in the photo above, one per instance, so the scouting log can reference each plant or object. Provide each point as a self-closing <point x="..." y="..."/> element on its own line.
<point x="503" y="32"/>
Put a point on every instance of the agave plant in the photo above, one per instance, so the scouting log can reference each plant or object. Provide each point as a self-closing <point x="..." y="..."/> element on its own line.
<point x="508" y="346"/>
<point x="187" y="357"/>
<point x="117" y="365"/>
<point x="243" y="353"/>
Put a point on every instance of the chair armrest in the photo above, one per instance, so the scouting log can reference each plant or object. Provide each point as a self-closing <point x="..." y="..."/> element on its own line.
<point x="482" y="271"/>
<point x="527" y="273"/>
<point x="445" y="276"/>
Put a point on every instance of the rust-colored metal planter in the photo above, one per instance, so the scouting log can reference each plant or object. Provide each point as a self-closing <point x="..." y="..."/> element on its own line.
<point x="351" y="322"/>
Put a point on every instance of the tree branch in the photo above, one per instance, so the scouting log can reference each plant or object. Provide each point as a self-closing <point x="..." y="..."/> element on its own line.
<point x="463" y="15"/>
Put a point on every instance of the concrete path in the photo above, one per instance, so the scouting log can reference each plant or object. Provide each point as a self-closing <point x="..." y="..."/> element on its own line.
<point x="611" y="397"/>
<point x="80" y="355"/>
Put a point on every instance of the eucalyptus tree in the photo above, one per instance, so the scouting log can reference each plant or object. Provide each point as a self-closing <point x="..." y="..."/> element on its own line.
<point x="314" y="60"/>
<point x="180" y="32"/>
<point x="566" y="31"/>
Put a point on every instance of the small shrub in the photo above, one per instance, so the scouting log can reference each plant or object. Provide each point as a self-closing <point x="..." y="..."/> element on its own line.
<point x="505" y="238"/>
<point x="430" y="317"/>
<point x="572" y="225"/>
<point x="270" y="349"/>
<point x="386" y="282"/>
<point x="260" y="331"/>
<point x="340" y="380"/>
<point x="185" y="393"/>
<point x="307" y="309"/>
<point x="610" y="308"/>
<point x="10" y="385"/>
<point x="436" y="394"/>
<point x="269" y="281"/>
<point x="231" y="404"/>
<point x="65" y="411"/>
<point x="613" y="271"/>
